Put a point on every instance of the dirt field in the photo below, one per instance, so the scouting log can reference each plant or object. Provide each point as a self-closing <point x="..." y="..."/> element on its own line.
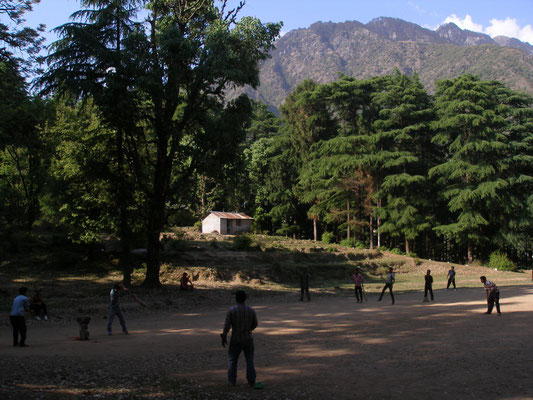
<point x="329" y="348"/>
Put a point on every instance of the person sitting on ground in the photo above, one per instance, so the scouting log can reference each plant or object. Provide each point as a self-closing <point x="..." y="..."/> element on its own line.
<point x="185" y="282"/>
<point x="38" y="306"/>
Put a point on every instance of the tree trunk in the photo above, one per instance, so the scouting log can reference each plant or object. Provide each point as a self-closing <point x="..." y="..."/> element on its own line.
<point x="469" y="250"/>
<point x="379" y="224"/>
<point x="315" y="229"/>
<point x="348" y="220"/>
<point x="371" y="229"/>
<point x="407" y="249"/>
<point x="427" y="244"/>
<point x="122" y="201"/>
<point x="157" y="209"/>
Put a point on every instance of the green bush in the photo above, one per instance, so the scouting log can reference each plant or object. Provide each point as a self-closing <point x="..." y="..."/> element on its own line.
<point x="500" y="261"/>
<point x="348" y="242"/>
<point x="412" y="255"/>
<point x="198" y="226"/>
<point x="328" y="237"/>
<point x="397" y="251"/>
<point x="360" y="245"/>
<point x="242" y="242"/>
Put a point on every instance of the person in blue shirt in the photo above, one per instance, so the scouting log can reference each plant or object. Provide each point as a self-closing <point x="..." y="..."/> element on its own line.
<point x="16" y="317"/>
<point x="114" y="307"/>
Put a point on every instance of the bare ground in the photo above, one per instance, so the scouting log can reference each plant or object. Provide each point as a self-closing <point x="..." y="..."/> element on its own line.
<point x="331" y="347"/>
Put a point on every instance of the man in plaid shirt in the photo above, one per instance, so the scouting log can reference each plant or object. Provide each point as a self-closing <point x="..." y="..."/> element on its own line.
<point x="493" y="295"/>
<point x="241" y="319"/>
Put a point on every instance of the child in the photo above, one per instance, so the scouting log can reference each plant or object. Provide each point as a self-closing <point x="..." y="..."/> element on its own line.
<point x="38" y="306"/>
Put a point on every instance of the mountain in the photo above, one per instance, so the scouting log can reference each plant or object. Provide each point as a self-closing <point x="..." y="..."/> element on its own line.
<point x="324" y="50"/>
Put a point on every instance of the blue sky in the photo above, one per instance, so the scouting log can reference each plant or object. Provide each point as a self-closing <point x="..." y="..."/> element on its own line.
<point x="512" y="18"/>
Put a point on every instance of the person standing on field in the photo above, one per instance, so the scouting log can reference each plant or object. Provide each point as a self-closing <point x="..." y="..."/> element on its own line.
<point x="451" y="278"/>
<point x="358" y="282"/>
<point x="304" y="285"/>
<point x="428" y="286"/>
<point x="242" y="320"/>
<point x="493" y="295"/>
<point x="16" y="317"/>
<point x="114" y="308"/>
<point x="391" y="278"/>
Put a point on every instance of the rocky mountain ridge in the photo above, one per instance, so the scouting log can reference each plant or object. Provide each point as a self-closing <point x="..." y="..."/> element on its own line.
<point x="325" y="49"/>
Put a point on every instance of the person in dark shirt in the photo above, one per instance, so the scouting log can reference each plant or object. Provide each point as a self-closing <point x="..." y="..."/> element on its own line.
<point x="242" y="320"/>
<point x="185" y="282"/>
<point x="428" y="287"/>
<point x="38" y="306"/>
<point x="304" y="285"/>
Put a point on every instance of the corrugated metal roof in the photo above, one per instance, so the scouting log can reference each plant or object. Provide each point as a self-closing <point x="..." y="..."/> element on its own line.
<point x="229" y="215"/>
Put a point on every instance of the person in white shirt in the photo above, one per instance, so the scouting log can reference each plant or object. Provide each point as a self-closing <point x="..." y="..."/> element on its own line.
<point x="388" y="284"/>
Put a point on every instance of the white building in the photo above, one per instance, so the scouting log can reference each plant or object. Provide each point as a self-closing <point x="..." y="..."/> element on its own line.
<point x="226" y="223"/>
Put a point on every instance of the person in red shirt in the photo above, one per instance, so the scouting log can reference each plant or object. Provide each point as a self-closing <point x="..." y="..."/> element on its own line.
<point x="358" y="281"/>
<point x="493" y="295"/>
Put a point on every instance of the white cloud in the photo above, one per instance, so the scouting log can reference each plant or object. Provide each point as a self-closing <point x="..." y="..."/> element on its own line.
<point x="464" y="23"/>
<point x="506" y="27"/>
<point x="509" y="27"/>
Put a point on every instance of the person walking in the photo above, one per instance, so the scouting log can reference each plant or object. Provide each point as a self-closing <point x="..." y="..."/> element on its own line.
<point x="304" y="285"/>
<point x="451" y="278"/>
<point x="428" y="286"/>
<point x="16" y="317"/>
<point x="114" y="307"/>
<point x="358" y="282"/>
<point x="391" y="278"/>
<point x="242" y="320"/>
<point x="493" y="295"/>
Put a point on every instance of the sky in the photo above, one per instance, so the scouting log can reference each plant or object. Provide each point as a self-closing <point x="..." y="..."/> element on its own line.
<point x="513" y="18"/>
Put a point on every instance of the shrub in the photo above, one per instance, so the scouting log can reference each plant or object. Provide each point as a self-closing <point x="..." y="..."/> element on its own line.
<point x="412" y="255"/>
<point x="500" y="261"/>
<point x="360" y="245"/>
<point x="328" y="237"/>
<point x="347" y="242"/>
<point x="242" y="242"/>
<point x="198" y="226"/>
<point x="397" y="251"/>
<point x="417" y="261"/>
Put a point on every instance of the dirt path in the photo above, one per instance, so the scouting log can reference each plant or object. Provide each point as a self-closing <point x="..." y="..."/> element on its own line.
<point x="331" y="347"/>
